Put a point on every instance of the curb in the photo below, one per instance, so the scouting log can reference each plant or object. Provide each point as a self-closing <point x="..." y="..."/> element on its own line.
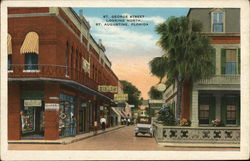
<point x="62" y="141"/>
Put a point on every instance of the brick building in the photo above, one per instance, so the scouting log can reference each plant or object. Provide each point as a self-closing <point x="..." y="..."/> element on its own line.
<point x="54" y="69"/>
<point x="219" y="96"/>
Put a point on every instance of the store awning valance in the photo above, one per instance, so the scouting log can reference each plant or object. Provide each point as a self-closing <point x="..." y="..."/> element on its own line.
<point x="30" y="43"/>
<point x="9" y="50"/>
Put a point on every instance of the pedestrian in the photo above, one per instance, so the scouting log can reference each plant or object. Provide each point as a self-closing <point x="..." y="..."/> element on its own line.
<point x="103" y="123"/>
<point x="128" y="122"/>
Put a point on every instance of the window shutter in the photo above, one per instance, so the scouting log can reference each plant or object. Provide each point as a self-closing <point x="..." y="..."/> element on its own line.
<point x="212" y="109"/>
<point x="238" y="60"/>
<point x="223" y="61"/>
<point x="223" y="110"/>
<point x="238" y="111"/>
<point x="213" y="59"/>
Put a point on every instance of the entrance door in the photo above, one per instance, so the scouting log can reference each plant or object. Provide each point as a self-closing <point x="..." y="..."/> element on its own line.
<point x="32" y="122"/>
<point x="81" y="122"/>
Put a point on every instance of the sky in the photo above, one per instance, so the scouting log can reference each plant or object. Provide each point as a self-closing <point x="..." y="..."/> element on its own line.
<point x="129" y="37"/>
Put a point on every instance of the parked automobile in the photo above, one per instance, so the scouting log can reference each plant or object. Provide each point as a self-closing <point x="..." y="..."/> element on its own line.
<point x="143" y="126"/>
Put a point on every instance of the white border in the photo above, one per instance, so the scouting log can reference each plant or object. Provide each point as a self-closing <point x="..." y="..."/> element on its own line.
<point x="131" y="155"/>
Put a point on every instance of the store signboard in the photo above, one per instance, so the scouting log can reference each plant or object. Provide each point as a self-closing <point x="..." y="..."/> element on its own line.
<point x="121" y="97"/>
<point x="32" y="103"/>
<point x="156" y="101"/>
<point x="52" y="106"/>
<point x="104" y="88"/>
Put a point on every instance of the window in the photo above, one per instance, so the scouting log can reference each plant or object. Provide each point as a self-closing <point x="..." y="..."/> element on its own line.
<point x="9" y="61"/>
<point x="231" y="114"/>
<point x="230" y="61"/>
<point x="31" y="61"/>
<point x="217" y="22"/>
<point x="204" y="114"/>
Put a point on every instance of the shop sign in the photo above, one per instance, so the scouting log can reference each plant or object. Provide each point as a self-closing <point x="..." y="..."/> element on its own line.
<point x="84" y="105"/>
<point x="33" y="103"/>
<point x="156" y="101"/>
<point x="53" y="98"/>
<point x="121" y="97"/>
<point x="103" y="88"/>
<point x="52" y="106"/>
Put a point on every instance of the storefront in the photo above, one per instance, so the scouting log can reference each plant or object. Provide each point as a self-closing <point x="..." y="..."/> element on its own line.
<point x="67" y="118"/>
<point x="32" y="114"/>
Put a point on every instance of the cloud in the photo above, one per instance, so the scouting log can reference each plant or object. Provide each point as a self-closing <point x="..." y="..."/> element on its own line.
<point x="129" y="52"/>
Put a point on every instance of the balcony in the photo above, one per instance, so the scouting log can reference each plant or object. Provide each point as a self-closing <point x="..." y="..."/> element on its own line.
<point x="55" y="72"/>
<point x="220" y="79"/>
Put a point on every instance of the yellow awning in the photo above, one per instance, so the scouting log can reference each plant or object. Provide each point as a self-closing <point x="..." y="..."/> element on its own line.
<point x="30" y="43"/>
<point x="9" y="44"/>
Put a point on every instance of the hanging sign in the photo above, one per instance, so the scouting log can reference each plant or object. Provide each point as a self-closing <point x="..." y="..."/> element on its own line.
<point x="121" y="97"/>
<point x="52" y="106"/>
<point x="104" y="88"/>
<point x="156" y="101"/>
<point x="32" y="103"/>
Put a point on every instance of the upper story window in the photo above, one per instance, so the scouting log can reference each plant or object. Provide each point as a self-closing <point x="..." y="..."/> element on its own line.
<point x="31" y="61"/>
<point x="218" y="24"/>
<point x="30" y="48"/>
<point x="230" y="61"/>
<point x="9" y="52"/>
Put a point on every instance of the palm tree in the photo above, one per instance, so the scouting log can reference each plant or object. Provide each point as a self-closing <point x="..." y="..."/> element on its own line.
<point x="187" y="54"/>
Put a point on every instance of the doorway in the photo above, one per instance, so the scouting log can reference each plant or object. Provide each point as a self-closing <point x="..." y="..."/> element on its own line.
<point x="32" y="122"/>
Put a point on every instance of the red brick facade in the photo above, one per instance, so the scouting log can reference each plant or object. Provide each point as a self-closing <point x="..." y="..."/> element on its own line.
<point x="60" y="58"/>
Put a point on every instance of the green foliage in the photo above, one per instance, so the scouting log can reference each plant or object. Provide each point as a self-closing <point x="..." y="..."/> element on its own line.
<point x="187" y="52"/>
<point x="154" y="93"/>
<point x="166" y="116"/>
<point x="133" y="93"/>
<point x="150" y="111"/>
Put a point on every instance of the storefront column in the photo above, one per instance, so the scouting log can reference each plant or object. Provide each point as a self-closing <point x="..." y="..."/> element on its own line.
<point x="51" y="119"/>
<point x="195" y="109"/>
<point x="14" y="123"/>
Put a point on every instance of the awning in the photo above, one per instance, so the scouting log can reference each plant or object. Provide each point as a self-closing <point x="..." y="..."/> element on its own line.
<point x="9" y="44"/>
<point x="30" y="43"/>
<point x="115" y="111"/>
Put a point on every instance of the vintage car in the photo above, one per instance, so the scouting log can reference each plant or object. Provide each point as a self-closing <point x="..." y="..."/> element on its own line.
<point x="143" y="126"/>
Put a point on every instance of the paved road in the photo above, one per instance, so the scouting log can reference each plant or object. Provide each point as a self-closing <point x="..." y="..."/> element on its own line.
<point x="121" y="139"/>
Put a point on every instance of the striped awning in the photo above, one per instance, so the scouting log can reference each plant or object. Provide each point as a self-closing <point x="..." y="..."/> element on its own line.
<point x="30" y="43"/>
<point x="9" y="44"/>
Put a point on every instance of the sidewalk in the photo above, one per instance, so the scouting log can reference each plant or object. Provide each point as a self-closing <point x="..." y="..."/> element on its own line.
<point x="67" y="140"/>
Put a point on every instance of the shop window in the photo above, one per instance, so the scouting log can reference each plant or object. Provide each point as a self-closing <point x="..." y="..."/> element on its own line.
<point x="31" y="61"/>
<point x="67" y="121"/>
<point x="27" y="120"/>
<point x="9" y="62"/>
<point x="217" y="22"/>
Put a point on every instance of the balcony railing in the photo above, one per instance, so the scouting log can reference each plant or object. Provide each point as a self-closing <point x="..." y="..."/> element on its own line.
<point x="196" y="135"/>
<point x="51" y="71"/>
<point x="221" y="79"/>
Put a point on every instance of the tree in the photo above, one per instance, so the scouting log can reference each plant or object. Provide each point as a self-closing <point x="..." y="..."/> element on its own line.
<point x="187" y="54"/>
<point x="154" y="93"/>
<point x="133" y="93"/>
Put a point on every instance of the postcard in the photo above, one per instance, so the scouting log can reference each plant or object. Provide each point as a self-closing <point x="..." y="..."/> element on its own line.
<point x="147" y="80"/>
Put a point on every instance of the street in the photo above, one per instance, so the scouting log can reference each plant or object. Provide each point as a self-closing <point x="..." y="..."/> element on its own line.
<point x="121" y="139"/>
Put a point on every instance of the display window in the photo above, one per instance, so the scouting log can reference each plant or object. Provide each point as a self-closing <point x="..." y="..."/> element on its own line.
<point x="67" y="121"/>
<point x="28" y="120"/>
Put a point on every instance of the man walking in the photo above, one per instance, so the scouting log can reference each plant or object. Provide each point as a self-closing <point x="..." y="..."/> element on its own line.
<point x="103" y="123"/>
